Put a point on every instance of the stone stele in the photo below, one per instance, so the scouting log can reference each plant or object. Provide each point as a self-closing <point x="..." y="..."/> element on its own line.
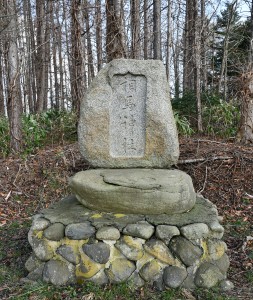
<point x="126" y="119"/>
<point x="134" y="191"/>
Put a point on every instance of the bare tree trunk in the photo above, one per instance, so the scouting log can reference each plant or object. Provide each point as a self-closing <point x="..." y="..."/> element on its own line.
<point x="245" y="132"/>
<point x="223" y="74"/>
<point x="198" y="68"/>
<point x="91" y="73"/>
<point x="189" y="44"/>
<point x="135" y="29"/>
<point x="203" y="33"/>
<point x="176" y="47"/>
<point x="32" y="57"/>
<point x="77" y="64"/>
<point x="28" y="74"/>
<point x="98" y="20"/>
<point x="69" y="68"/>
<point x="157" y="29"/>
<point x="115" y="36"/>
<point x="55" y="69"/>
<point x="145" y="41"/>
<point x="42" y="57"/>
<point x="14" y="102"/>
<point x="2" y="106"/>
<point x="168" y="42"/>
<point x="61" y="71"/>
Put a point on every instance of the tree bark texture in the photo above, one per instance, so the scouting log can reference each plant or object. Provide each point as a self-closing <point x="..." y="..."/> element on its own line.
<point x="14" y="102"/>
<point x="98" y="20"/>
<point x="157" y="29"/>
<point x="115" y="36"/>
<point x="77" y="63"/>
<point x="135" y="29"/>
<point x="2" y="102"/>
<point x="245" y="133"/>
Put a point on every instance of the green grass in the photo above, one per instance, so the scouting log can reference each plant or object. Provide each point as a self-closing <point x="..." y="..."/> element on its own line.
<point x="47" y="128"/>
<point x="15" y="250"/>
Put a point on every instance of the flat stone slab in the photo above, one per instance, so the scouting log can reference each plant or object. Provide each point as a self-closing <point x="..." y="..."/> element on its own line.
<point x="69" y="210"/>
<point x="126" y="119"/>
<point x="134" y="191"/>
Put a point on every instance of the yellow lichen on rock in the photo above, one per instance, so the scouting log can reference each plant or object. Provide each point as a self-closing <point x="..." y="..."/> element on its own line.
<point x="205" y="255"/>
<point x="96" y="216"/>
<point x="87" y="267"/>
<point x="119" y="215"/>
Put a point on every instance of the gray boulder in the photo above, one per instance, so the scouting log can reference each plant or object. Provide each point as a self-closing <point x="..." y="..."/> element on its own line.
<point x="58" y="272"/>
<point x="79" y="231"/>
<point x="126" y="120"/>
<point x="143" y="231"/>
<point x="55" y="232"/>
<point x="208" y="275"/>
<point x="185" y="250"/>
<point x="174" y="276"/>
<point x="98" y="252"/>
<point x="108" y="233"/>
<point x="120" y="270"/>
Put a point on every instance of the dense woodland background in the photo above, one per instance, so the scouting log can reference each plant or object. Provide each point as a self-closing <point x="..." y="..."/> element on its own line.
<point x="49" y="53"/>
<point x="51" y="50"/>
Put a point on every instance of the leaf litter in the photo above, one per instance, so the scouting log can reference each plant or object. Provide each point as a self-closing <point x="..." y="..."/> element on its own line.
<point x="222" y="171"/>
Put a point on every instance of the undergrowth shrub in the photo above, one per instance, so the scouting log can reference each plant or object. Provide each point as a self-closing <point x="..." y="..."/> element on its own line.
<point x="4" y="137"/>
<point x="49" y="127"/>
<point x="183" y="125"/>
<point x="221" y="119"/>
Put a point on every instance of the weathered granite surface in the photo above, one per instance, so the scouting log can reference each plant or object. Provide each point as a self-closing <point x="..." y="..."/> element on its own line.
<point x="146" y="191"/>
<point x="126" y="119"/>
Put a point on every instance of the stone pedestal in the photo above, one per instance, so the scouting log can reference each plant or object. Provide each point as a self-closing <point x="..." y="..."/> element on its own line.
<point x="145" y="224"/>
<point x="72" y="244"/>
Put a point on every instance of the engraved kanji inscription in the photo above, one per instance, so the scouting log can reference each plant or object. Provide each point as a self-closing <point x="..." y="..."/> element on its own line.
<point x="127" y="116"/>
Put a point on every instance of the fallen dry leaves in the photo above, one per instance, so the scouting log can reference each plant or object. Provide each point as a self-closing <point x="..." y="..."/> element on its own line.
<point x="222" y="171"/>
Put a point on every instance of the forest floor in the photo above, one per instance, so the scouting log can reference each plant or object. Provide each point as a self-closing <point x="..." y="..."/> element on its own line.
<point x="222" y="171"/>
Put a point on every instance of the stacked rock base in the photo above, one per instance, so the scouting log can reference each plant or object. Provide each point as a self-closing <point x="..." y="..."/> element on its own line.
<point x="72" y="244"/>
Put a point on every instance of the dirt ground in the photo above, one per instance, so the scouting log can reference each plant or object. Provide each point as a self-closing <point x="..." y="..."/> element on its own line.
<point x="222" y="171"/>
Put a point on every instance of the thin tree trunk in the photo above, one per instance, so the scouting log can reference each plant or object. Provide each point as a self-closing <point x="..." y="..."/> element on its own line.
<point x="91" y="73"/>
<point x="98" y="20"/>
<point x="135" y="29"/>
<point x="203" y="33"/>
<point x="47" y="52"/>
<point x="157" y="29"/>
<point x="176" y="52"/>
<point x="115" y="36"/>
<point x="68" y="70"/>
<point x="42" y="57"/>
<point x="2" y="106"/>
<point x="28" y="73"/>
<point x="198" y="67"/>
<point x="168" y="42"/>
<point x="55" y="70"/>
<point x="77" y="64"/>
<point x="14" y="102"/>
<point x="223" y="74"/>
<point x="245" y="132"/>
<point x="32" y="57"/>
<point x="61" y="71"/>
<point x="145" y="41"/>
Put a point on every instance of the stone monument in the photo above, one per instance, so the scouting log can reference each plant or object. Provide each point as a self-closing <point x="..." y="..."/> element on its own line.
<point x="133" y="217"/>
